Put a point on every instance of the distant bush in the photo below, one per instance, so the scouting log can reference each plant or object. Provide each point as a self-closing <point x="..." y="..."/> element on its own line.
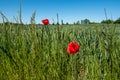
<point x="85" y="21"/>
<point x="107" y="21"/>
<point x="117" y="21"/>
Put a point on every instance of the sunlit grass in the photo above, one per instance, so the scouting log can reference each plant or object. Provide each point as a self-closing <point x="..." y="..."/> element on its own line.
<point x="40" y="53"/>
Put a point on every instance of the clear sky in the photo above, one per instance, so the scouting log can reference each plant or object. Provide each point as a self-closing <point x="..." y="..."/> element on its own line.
<point x="68" y="10"/>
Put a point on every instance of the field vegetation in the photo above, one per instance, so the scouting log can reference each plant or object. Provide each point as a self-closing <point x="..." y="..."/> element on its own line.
<point x="39" y="52"/>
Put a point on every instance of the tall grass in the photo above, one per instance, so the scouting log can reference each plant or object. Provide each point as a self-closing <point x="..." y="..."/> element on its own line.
<point x="34" y="52"/>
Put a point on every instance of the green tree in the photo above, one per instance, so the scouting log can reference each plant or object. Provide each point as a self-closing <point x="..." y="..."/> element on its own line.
<point x="67" y="23"/>
<point x="85" y="21"/>
<point x="117" y="21"/>
<point x="62" y="22"/>
<point x="107" y="21"/>
<point x="78" y="22"/>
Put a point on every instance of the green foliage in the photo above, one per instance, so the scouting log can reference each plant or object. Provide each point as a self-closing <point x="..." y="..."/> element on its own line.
<point x="85" y="21"/>
<point x="111" y="21"/>
<point x="62" y="22"/>
<point x="117" y="21"/>
<point x="107" y="21"/>
<point x="35" y="52"/>
<point x="67" y="23"/>
<point x="78" y="22"/>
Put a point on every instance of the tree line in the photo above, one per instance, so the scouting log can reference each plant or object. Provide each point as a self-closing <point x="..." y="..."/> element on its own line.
<point x="85" y="21"/>
<point x="109" y="21"/>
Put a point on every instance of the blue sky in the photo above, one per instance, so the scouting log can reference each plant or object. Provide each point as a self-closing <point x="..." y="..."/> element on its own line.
<point x="68" y="10"/>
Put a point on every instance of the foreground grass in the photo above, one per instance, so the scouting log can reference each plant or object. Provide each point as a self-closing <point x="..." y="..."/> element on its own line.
<point x="33" y="52"/>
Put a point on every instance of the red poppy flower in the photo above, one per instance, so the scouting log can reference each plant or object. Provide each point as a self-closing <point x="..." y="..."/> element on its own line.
<point x="73" y="47"/>
<point x="45" y="21"/>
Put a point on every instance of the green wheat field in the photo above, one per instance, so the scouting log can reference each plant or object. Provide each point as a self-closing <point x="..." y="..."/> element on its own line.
<point x="38" y="52"/>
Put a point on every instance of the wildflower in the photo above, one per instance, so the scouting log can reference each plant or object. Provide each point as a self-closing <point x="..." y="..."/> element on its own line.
<point x="73" y="48"/>
<point x="45" y="21"/>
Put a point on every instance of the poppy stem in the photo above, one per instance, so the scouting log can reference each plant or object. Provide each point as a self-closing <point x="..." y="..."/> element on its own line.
<point x="72" y="66"/>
